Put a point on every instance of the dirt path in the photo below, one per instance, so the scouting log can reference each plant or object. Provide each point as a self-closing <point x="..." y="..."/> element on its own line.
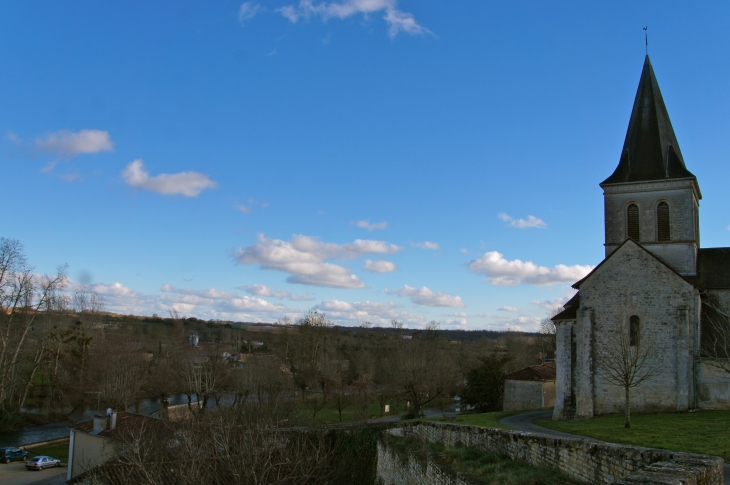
<point x="15" y="473"/>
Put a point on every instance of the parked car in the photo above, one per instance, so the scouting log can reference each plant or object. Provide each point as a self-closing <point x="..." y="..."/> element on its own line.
<point x="11" y="453"/>
<point x="41" y="462"/>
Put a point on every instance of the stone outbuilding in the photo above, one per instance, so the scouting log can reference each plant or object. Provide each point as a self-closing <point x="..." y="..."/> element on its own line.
<point x="530" y="388"/>
<point x="657" y="297"/>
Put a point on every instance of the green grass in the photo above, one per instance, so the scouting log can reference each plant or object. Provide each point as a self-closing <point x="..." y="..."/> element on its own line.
<point x="481" y="467"/>
<point x="484" y="420"/>
<point x="704" y="432"/>
<point x="59" y="452"/>
<point x="329" y="414"/>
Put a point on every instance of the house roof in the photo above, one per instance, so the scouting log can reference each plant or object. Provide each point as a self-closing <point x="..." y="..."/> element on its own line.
<point x="713" y="268"/>
<point x="544" y="372"/>
<point x="570" y="309"/>
<point x="125" y="422"/>
<point x="650" y="150"/>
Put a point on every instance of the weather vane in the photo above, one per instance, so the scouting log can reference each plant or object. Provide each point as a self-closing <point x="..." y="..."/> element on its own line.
<point x="646" y="39"/>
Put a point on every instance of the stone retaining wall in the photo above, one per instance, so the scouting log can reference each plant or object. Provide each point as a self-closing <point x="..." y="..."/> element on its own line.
<point x="395" y="469"/>
<point x="589" y="462"/>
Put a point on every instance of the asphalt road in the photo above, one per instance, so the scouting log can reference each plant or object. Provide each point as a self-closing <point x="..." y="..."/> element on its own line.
<point x="524" y="422"/>
<point x="15" y="473"/>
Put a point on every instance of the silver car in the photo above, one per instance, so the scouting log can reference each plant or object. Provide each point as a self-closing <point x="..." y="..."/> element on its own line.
<point x="41" y="462"/>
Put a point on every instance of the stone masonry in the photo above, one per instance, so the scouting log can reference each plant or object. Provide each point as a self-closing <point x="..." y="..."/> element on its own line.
<point x="589" y="462"/>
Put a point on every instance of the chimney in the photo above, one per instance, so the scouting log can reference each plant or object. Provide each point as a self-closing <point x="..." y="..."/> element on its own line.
<point x="100" y="423"/>
<point x="112" y="420"/>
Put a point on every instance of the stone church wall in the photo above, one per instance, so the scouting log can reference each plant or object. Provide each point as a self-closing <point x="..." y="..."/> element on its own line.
<point x="683" y="208"/>
<point x="713" y="384"/>
<point x="589" y="462"/>
<point x="632" y="282"/>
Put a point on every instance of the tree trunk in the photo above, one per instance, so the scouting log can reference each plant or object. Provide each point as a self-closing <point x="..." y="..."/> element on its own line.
<point x="627" y="423"/>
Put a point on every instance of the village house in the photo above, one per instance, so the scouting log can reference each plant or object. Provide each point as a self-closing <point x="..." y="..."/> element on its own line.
<point x="530" y="388"/>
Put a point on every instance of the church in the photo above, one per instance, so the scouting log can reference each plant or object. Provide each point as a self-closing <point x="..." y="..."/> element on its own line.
<point x="658" y="301"/>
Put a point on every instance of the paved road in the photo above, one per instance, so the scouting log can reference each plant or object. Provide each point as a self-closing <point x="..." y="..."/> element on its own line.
<point x="524" y="422"/>
<point x="15" y="473"/>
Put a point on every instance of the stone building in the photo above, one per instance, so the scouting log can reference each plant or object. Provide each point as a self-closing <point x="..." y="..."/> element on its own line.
<point x="530" y="388"/>
<point x="656" y="288"/>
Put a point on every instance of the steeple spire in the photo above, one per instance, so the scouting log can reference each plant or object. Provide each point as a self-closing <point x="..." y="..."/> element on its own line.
<point x="650" y="151"/>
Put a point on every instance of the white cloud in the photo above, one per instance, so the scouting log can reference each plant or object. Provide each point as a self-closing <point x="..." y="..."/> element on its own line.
<point x="380" y="266"/>
<point x="531" y="221"/>
<point x="426" y="245"/>
<point x="464" y="251"/>
<point x="247" y="11"/>
<point x="189" y="184"/>
<point x="508" y="309"/>
<point x="221" y="301"/>
<point x="522" y="324"/>
<point x="304" y="258"/>
<point x="553" y="305"/>
<point x="243" y="208"/>
<point x="66" y="143"/>
<point x="425" y="296"/>
<point x="501" y="272"/>
<point x="397" y="20"/>
<point x="263" y="290"/>
<point x="376" y="313"/>
<point x="371" y="226"/>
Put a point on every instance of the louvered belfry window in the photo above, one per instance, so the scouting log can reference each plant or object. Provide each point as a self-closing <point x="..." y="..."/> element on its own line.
<point x="662" y="220"/>
<point x="632" y="213"/>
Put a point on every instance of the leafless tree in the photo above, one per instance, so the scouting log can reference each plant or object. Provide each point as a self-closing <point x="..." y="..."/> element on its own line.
<point x="547" y="332"/>
<point x="24" y="295"/>
<point x="716" y="332"/>
<point x="627" y="358"/>
<point x="425" y="372"/>
<point x="217" y="449"/>
<point x="397" y="324"/>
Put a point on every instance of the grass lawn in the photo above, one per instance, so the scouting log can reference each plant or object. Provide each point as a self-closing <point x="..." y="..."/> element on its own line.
<point x="485" y="420"/>
<point x="706" y="432"/>
<point x="329" y="414"/>
<point x="59" y="452"/>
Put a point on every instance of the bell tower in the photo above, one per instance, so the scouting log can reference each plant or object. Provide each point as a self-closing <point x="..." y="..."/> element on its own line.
<point x="651" y="197"/>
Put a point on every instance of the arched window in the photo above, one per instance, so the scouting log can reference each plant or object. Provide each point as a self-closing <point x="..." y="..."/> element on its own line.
<point x="662" y="222"/>
<point x="634" y="329"/>
<point x="632" y="217"/>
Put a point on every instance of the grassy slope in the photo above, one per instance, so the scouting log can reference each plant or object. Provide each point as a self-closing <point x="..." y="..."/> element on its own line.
<point x="485" y="420"/>
<point x="703" y="432"/>
<point x="59" y="452"/>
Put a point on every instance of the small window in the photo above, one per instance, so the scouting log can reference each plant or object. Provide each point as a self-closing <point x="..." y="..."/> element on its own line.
<point x="662" y="220"/>
<point x="632" y="213"/>
<point x="634" y="324"/>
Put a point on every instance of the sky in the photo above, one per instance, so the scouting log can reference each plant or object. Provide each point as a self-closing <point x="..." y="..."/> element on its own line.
<point x="371" y="159"/>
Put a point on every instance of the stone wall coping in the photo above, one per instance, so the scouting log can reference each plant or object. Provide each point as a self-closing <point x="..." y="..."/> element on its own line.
<point x="646" y="465"/>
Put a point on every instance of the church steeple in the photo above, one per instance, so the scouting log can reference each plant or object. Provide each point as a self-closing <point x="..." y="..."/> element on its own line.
<point x="650" y="151"/>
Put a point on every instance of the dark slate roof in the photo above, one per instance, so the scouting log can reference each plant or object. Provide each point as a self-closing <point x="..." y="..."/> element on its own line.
<point x="570" y="309"/>
<point x="544" y="372"/>
<point x="125" y="422"/>
<point x="650" y="151"/>
<point x="713" y="268"/>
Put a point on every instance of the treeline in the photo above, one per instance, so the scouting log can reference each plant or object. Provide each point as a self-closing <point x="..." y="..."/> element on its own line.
<point x="60" y="350"/>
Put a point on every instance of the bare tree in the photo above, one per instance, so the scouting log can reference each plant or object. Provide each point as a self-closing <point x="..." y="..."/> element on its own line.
<point x="627" y="359"/>
<point x="425" y="372"/>
<point x="24" y="295"/>
<point x="716" y="333"/>
<point x="397" y="324"/>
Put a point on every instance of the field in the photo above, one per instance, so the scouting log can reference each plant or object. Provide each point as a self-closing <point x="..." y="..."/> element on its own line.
<point x="485" y="420"/>
<point x="60" y="452"/>
<point x="703" y="432"/>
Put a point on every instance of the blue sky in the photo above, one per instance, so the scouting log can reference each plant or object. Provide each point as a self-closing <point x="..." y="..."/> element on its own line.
<point x="376" y="159"/>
